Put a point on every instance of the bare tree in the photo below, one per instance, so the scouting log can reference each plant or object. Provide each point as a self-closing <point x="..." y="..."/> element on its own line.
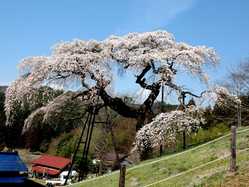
<point x="237" y="82"/>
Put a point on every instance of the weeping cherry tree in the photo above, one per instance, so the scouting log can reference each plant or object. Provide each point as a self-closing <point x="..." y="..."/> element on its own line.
<point x="90" y="63"/>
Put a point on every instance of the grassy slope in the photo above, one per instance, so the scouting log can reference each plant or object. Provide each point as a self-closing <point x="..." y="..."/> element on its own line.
<point x="180" y="169"/>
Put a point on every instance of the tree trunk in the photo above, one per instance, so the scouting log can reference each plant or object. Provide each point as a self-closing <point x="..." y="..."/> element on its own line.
<point x="143" y="113"/>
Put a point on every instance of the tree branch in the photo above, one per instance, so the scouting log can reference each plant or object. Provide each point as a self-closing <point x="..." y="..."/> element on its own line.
<point x="119" y="106"/>
<point x="153" y="95"/>
<point x="141" y="81"/>
<point x="194" y="95"/>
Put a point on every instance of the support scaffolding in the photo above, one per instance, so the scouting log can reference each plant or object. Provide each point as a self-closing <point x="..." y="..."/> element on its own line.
<point x="84" y="141"/>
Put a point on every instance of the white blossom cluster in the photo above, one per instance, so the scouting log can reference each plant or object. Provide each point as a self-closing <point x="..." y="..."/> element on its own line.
<point x="224" y="97"/>
<point x="91" y="59"/>
<point x="59" y="111"/>
<point x="135" y="50"/>
<point x="21" y="96"/>
<point x="15" y="95"/>
<point x="165" y="127"/>
<point x="221" y="96"/>
<point x="31" y="64"/>
<point x="139" y="49"/>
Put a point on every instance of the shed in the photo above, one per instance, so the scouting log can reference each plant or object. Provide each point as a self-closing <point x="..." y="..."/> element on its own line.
<point x="12" y="168"/>
<point x="51" y="166"/>
<point x="110" y="161"/>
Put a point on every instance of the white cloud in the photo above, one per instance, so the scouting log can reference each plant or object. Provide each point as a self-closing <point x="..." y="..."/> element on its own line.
<point x="153" y="14"/>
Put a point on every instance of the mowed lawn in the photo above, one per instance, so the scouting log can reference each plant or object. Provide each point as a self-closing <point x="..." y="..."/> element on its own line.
<point x="194" y="167"/>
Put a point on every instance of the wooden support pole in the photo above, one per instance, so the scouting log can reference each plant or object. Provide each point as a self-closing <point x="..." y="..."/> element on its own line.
<point x="162" y="99"/>
<point x="233" y="166"/>
<point x="161" y="149"/>
<point x="239" y="114"/>
<point x="122" y="175"/>
<point x="184" y="144"/>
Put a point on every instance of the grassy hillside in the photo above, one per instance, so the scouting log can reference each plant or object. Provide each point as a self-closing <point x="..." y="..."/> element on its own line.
<point x="199" y="166"/>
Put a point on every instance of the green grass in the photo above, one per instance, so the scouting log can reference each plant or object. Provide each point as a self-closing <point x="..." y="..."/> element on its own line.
<point x="221" y="177"/>
<point x="209" y="174"/>
<point x="155" y="170"/>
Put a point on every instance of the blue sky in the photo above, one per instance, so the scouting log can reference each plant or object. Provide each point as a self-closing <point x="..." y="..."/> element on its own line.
<point x="30" y="27"/>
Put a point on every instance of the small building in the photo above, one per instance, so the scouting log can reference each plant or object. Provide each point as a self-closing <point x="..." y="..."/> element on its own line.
<point x="12" y="168"/>
<point x="49" y="166"/>
<point x="110" y="161"/>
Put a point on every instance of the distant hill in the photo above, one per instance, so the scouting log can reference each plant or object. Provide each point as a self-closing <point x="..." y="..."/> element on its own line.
<point x="3" y="88"/>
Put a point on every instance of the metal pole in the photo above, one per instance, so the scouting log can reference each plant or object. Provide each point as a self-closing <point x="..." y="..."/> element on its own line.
<point x="89" y="140"/>
<point x="77" y="148"/>
<point x="81" y="173"/>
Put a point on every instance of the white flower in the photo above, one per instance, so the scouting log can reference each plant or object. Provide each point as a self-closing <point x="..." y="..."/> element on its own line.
<point x="221" y="96"/>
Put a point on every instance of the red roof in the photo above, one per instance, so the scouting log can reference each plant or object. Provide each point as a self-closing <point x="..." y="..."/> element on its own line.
<point x="52" y="161"/>
<point x="43" y="170"/>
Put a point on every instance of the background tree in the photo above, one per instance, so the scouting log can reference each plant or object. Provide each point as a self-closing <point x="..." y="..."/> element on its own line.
<point x="2" y="117"/>
<point x="237" y="82"/>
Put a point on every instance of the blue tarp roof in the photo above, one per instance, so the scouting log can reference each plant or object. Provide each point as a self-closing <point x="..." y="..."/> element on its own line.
<point x="11" y="180"/>
<point x="11" y="162"/>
